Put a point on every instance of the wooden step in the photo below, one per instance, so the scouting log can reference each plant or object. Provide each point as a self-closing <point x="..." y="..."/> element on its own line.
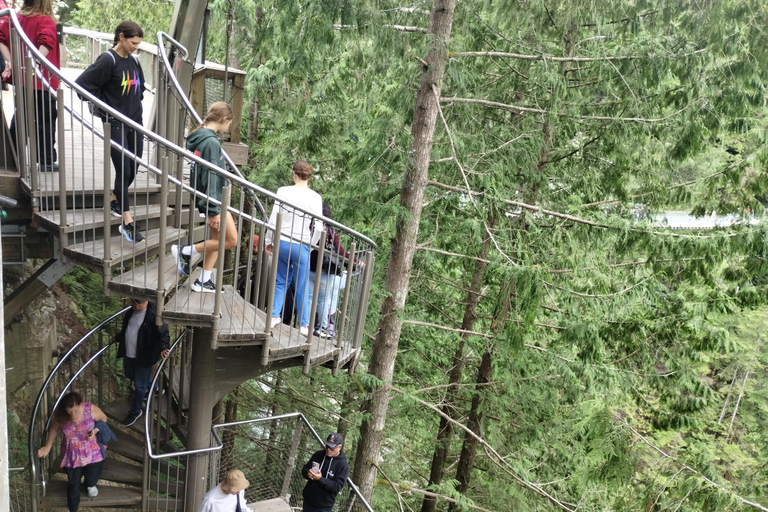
<point x="241" y="323"/>
<point x="117" y="471"/>
<point x="141" y="282"/>
<point x="126" y="446"/>
<point x="121" y="250"/>
<point x="93" y="218"/>
<point x="56" y="496"/>
<point x="273" y="505"/>
<point x="118" y="410"/>
<point x="175" y="384"/>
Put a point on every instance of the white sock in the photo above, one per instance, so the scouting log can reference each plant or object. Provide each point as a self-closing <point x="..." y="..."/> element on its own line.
<point x="206" y="276"/>
<point x="189" y="250"/>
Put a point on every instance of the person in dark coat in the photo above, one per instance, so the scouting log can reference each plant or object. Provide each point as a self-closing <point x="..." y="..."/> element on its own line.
<point x="141" y="344"/>
<point x="326" y="473"/>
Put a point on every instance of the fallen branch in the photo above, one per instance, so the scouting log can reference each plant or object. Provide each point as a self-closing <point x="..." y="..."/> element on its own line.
<point x="551" y="58"/>
<point x="406" y="28"/>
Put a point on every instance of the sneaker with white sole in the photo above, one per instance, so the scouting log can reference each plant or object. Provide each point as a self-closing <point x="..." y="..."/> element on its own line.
<point x="304" y="331"/>
<point x="93" y="492"/>
<point x="207" y="287"/>
<point x="182" y="260"/>
<point x="276" y="320"/>
<point x="131" y="233"/>
<point x="114" y="209"/>
<point x="131" y="418"/>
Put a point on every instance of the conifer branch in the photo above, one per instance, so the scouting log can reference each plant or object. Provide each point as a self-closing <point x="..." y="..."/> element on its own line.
<point x="689" y="468"/>
<point x="452" y="254"/>
<point x="551" y="58"/>
<point x="406" y="28"/>
<point x="596" y="296"/>
<point x="410" y="488"/>
<point x="391" y="484"/>
<point x="510" y="470"/>
<point x="529" y="110"/>
<point x="464" y="175"/>
<point x="475" y="333"/>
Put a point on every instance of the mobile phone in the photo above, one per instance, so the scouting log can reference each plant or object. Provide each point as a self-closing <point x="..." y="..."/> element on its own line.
<point x="315" y="466"/>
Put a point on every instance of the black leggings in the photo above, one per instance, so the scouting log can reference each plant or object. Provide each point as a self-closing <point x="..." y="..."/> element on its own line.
<point x="45" y="127"/>
<point x="125" y="166"/>
<point x="91" y="472"/>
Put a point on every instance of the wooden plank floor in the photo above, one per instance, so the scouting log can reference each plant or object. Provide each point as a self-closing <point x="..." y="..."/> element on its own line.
<point x="121" y="250"/>
<point x="93" y="218"/>
<point x="273" y="505"/>
<point x="142" y="281"/>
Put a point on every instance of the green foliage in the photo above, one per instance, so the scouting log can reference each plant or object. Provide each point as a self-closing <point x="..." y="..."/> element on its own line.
<point x="104" y="15"/>
<point x="87" y="290"/>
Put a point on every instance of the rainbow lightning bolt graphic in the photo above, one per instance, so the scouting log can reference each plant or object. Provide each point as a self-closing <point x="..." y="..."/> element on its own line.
<point x="128" y="82"/>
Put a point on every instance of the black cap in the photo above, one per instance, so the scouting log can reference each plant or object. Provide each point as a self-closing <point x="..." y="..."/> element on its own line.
<point x="334" y="440"/>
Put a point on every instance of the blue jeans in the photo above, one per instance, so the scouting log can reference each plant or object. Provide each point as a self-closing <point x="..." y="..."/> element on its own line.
<point x="293" y="263"/>
<point x="328" y="296"/>
<point x="141" y="378"/>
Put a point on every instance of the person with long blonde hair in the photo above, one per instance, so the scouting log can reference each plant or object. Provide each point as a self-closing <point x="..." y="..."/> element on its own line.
<point x="204" y="142"/>
<point x="39" y="24"/>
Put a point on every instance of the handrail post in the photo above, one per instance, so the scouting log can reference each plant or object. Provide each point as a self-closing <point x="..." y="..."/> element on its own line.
<point x="225" y="197"/>
<point x="347" y="289"/>
<point x="29" y="87"/>
<point x="271" y="289"/>
<point x="21" y="121"/>
<point x="291" y="463"/>
<point x="63" y="238"/>
<point x="106" y="262"/>
<point x="362" y="308"/>
<point x="160" y="291"/>
<point x="315" y="294"/>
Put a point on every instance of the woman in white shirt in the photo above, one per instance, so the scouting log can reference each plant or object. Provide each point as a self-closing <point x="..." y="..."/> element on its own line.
<point x="296" y="235"/>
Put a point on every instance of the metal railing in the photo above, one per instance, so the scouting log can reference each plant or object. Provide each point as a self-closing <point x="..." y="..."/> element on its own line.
<point x="281" y="443"/>
<point x="74" y="201"/>
<point x="73" y="371"/>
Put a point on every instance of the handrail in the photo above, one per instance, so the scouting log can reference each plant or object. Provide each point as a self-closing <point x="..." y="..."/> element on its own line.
<point x="33" y="419"/>
<point x="215" y="428"/>
<point x="242" y="182"/>
<point x="191" y="109"/>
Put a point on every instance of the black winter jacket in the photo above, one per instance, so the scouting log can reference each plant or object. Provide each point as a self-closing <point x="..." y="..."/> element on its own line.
<point x="150" y="341"/>
<point x="321" y="494"/>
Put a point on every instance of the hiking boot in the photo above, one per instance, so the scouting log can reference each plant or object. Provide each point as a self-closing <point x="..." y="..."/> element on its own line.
<point x="131" y="233"/>
<point x="182" y="260"/>
<point x="131" y="418"/>
<point x="114" y="209"/>
<point x="207" y="286"/>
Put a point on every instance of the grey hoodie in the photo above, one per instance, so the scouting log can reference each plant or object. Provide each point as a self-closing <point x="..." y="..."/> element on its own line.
<point x="205" y="144"/>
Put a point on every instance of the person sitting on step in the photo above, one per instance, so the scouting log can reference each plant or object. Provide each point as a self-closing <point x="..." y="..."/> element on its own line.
<point x="141" y="344"/>
<point x="205" y="143"/>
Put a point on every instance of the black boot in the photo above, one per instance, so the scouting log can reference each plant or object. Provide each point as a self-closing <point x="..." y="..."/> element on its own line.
<point x="316" y="329"/>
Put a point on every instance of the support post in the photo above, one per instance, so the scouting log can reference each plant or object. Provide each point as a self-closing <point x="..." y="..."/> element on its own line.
<point x="225" y="196"/>
<point x="63" y="238"/>
<point x="106" y="266"/>
<point x="160" y="290"/>
<point x="29" y="88"/>
<point x="347" y="289"/>
<point x="271" y="289"/>
<point x="313" y="308"/>
<point x="201" y="400"/>
<point x="291" y="463"/>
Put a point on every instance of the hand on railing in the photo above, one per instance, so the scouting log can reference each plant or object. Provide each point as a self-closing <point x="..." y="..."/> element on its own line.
<point x="42" y="452"/>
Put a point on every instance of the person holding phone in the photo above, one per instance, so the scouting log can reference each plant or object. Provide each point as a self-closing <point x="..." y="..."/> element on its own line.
<point x="326" y="473"/>
<point x="81" y="455"/>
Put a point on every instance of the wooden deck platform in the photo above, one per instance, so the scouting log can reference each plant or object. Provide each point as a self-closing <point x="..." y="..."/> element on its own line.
<point x="273" y="505"/>
<point x="121" y="250"/>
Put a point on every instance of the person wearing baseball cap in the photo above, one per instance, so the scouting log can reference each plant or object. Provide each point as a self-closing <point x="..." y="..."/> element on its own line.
<point x="228" y="496"/>
<point x="326" y="473"/>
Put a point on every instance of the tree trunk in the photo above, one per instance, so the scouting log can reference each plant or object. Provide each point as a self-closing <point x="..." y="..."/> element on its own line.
<point x="469" y="449"/>
<point x="403" y="247"/>
<point x="445" y="431"/>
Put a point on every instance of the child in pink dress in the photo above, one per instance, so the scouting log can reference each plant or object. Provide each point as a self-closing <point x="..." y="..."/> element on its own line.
<point x="81" y="455"/>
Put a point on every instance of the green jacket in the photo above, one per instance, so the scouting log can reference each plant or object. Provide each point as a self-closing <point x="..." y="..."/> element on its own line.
<point x="205" y="144"/>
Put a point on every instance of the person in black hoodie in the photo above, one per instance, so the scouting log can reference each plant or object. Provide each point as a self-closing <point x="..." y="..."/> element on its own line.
<point x="204" y="142"/>
<point x="326" y="471"/>
<point x="141" y="344"/>
<point x="117" y="79"/>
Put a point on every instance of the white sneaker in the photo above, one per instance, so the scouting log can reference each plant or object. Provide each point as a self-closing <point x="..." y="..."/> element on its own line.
<point x="304" y="331"/>
<point x="93" y="492"/>
<point x="276" y="320"/>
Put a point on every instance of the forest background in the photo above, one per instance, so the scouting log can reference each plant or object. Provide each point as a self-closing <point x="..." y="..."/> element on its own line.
<point x="534" y="342"/>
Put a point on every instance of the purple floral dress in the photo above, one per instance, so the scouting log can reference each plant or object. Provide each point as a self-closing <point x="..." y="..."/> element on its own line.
<point x="77" y="449"/>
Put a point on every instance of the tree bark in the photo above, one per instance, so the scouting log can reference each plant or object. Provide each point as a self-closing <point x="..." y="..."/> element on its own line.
<point x="474" y="423"/>
<point x="403" y="247"/>
<point x="445" y="431"/>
